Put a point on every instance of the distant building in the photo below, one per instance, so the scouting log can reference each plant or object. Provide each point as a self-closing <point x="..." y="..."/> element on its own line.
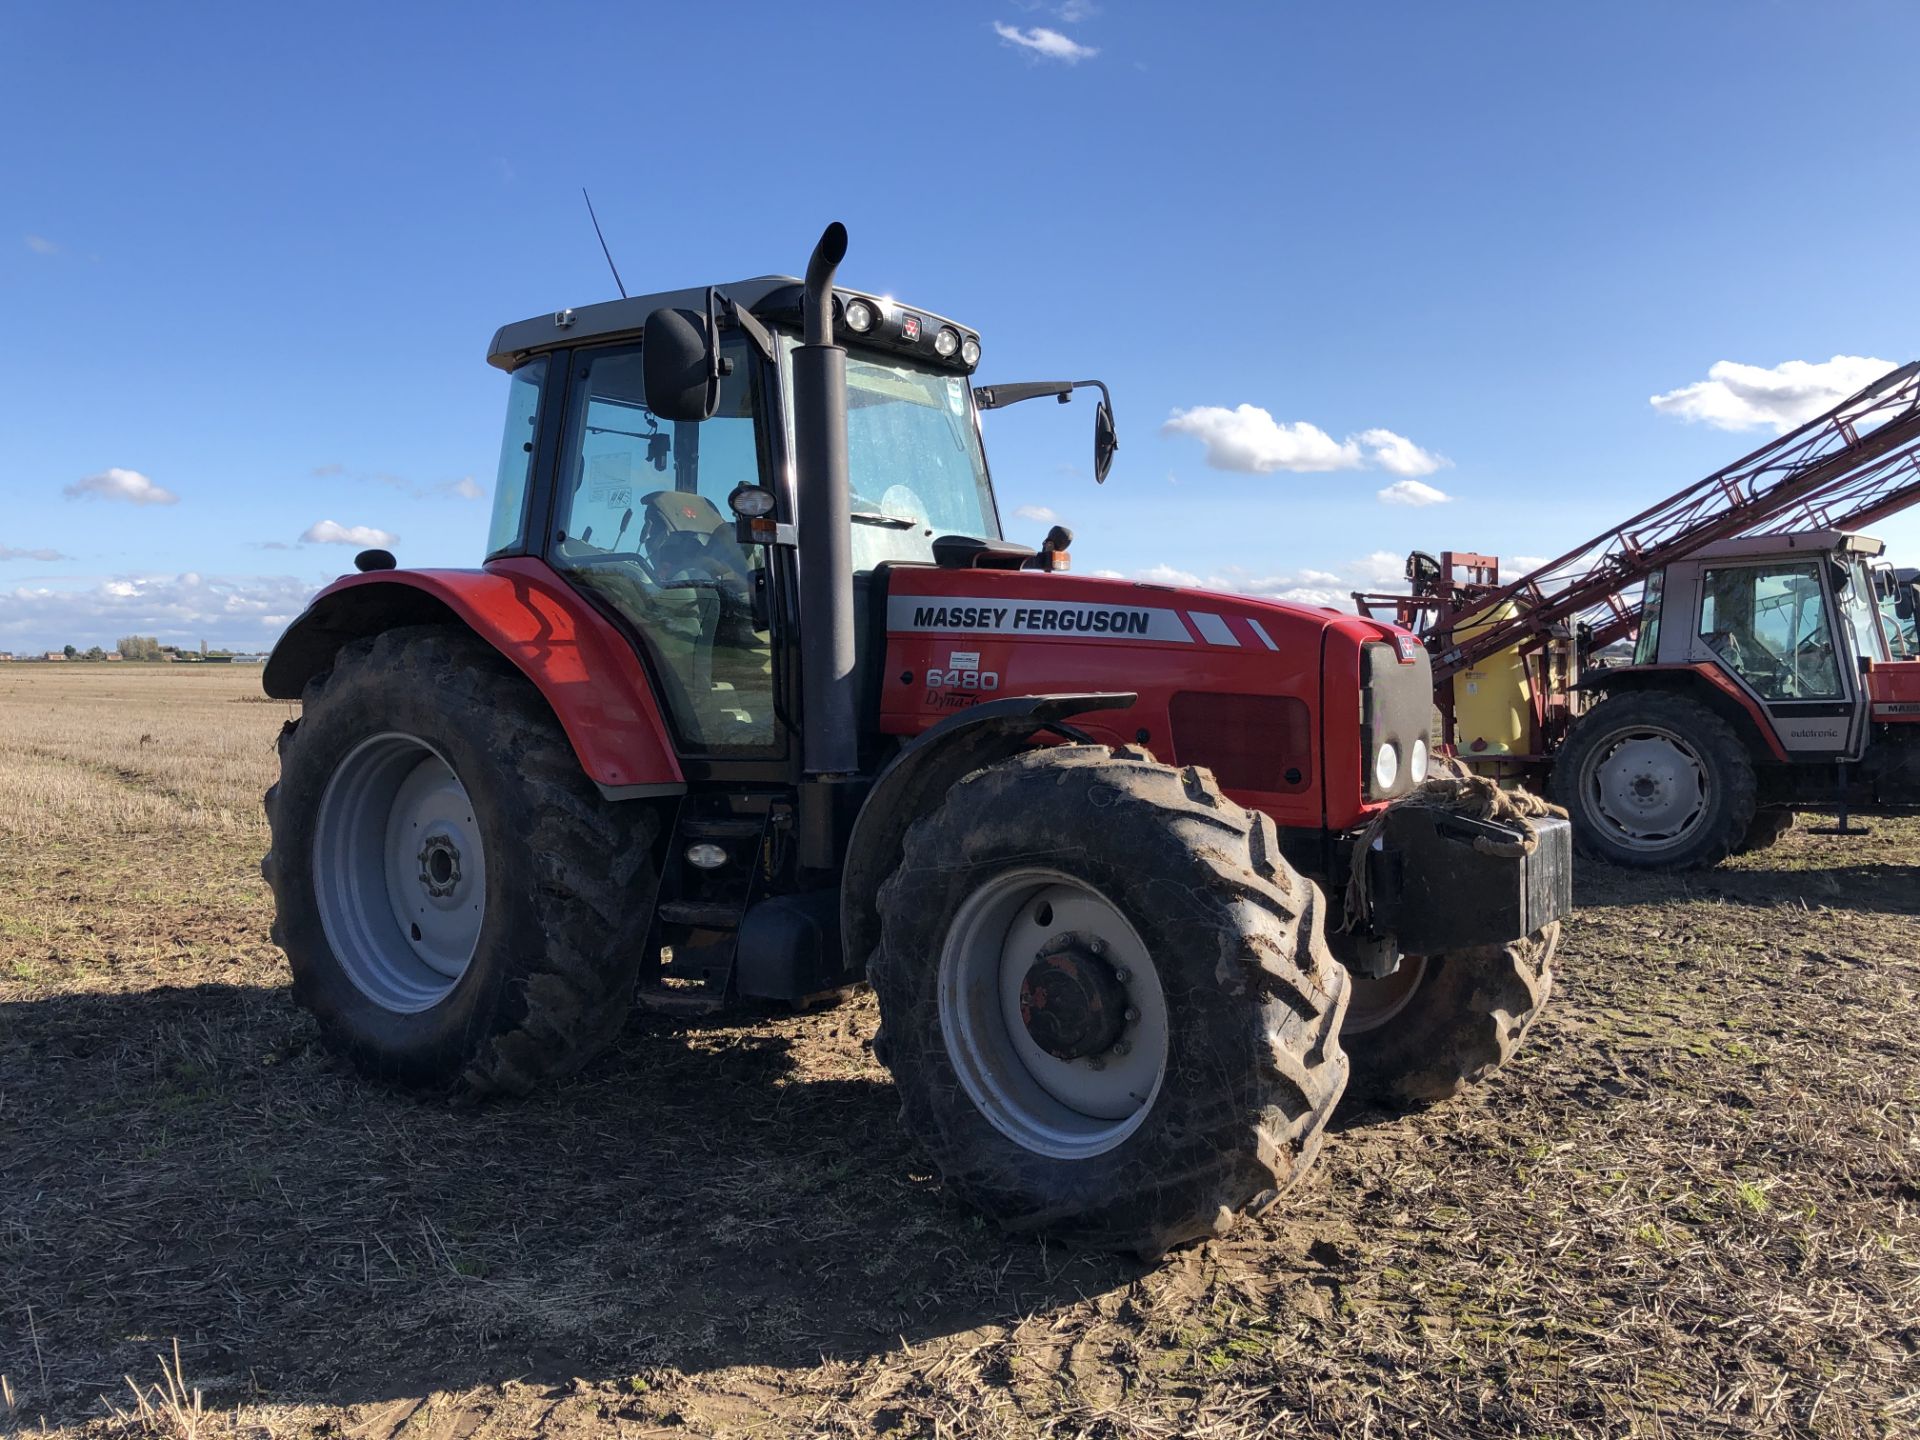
<point x="55" y="655"/>
<point x="113" y="655"/>
<point x="5" y="656"/>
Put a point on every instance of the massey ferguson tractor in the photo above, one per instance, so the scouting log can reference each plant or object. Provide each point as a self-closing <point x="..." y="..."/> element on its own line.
<point x="751" y="700"/>
<point x="1769" y="669"/>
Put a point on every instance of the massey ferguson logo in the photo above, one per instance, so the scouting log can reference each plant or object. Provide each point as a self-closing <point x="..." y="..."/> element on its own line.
<point x="990" y="616"/>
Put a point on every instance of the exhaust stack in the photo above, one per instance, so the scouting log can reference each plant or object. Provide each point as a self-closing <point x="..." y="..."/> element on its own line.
<point x="829" y="734"/>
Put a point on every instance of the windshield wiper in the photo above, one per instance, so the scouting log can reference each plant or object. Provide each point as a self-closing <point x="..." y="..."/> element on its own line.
<point x="874" y="517"/>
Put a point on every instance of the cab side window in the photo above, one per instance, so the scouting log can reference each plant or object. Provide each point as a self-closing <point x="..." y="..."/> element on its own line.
<point x="643" y="522"/>
<point x="1769" y="623"/>
<point x="516" y="457"/>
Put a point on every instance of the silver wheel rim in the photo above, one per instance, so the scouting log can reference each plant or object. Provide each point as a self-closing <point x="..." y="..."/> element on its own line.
<point x="1062" y="1109"/>
<point x="1372" y="1002"/>
<point x="399" y="872"/>
<point x="1647" y="787"/>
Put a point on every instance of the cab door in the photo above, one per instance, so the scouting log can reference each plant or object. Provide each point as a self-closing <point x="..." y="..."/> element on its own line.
<point x="1773" y="626"/>
<point x="642" y="526"/>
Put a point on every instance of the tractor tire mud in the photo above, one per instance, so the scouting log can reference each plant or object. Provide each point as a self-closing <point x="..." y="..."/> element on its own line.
<point x="569" y="883"/>
<point x="1462" y="1018"/>
<point x="1765" y="831"/>
<point x="1253" y="999"/>
<point x="1724" y="766"/>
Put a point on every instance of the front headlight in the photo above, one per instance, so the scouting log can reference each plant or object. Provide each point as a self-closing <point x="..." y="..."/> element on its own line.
<point x="1386" y="767"/>
<point x="1417" y="764"/>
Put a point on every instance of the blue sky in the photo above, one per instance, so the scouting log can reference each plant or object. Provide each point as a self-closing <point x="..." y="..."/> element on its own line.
<point x="251" y="257"/>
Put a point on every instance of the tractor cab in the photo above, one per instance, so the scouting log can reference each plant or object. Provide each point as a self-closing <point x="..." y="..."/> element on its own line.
<point x="1789" y="623"/>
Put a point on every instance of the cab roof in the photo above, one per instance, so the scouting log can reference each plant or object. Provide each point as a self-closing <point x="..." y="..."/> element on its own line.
<point x="1818" y="542"/>
<point x="770" y="297"/>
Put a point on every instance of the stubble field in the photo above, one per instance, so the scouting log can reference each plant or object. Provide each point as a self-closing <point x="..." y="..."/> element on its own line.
<point x="1691" y="1207"/>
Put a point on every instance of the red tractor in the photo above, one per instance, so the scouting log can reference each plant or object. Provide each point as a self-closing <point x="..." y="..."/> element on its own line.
<point x="751" y="699"/>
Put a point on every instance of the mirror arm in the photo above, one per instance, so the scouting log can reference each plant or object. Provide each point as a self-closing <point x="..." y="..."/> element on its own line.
<point x="749" y="324"/>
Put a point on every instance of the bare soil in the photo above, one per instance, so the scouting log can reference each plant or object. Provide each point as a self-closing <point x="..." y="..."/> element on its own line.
<point x="1690" y="1207"/>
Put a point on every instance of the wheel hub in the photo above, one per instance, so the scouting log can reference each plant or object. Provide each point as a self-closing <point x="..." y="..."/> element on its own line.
<point x="439" y="861"/>
<point x="1072" y="1001"/>
<point x="1650" y="785"/>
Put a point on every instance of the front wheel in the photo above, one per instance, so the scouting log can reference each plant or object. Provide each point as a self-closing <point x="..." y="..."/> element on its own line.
<point x="1441" y="1023"/>
<point x="1655" y="781"/>
<point x="1107" y="999"/>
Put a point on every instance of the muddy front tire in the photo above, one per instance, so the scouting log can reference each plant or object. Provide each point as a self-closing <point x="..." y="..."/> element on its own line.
<point x="1107" y="999"/>
<point x="460" y="907"/>
<point x="1653" y="780"/>
<point x="1444" y="1022"/>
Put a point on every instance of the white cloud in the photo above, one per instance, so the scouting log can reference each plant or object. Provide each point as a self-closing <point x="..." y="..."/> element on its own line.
<point x="9" y="552"/>
<point x="1382" y="567"/>
<point x="465" y="489"/>
<point x="1412" y="492"/>
<point x="245" y="611"/>
<point x="1072" y="12"/>
<point x="1400" y="455"/>
<point x="1318" y="577"/>
<point x="1517" y="565"/>
<point x="1250" y="440"/>
<point x="328" y="532"/>
<point x="1044" y="43"/>
<point x="1746" y="397"/>
<point x="1167" y="575"/>
<point x="117" y="484"/>
<point x="1039" y="514"/>
<point x="40" y="245"/>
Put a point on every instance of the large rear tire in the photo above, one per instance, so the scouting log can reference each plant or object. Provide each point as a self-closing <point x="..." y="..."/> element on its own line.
<point x="1107" y="999"/>
<point x="1441" y="1023"/>
<point x="460" y="907"/>
<point x="1655" y="781"/>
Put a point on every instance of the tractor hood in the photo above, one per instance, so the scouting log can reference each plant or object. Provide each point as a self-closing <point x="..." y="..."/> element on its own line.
<point x="1227" y="681"/>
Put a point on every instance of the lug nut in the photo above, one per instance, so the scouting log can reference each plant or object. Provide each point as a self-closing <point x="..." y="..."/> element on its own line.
<point x="1121" y="1047"/>
<point x="1123" y="975"/>
<point x="1097" y="946"/>
<point x="1130" y="1015"/>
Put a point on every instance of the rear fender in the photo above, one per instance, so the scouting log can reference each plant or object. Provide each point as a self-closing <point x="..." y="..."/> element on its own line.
<point x="916" y="779"/>
<point x="1706" y="685"/>
<point x="583" y="667"/>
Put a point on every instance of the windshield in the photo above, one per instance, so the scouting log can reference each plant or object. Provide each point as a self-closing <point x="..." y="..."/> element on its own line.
<point x="914" y="461"/>
<point x="1863" y="617"/>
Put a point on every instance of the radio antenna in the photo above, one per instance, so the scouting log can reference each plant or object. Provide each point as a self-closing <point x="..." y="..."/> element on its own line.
<point x="603" y="242"/>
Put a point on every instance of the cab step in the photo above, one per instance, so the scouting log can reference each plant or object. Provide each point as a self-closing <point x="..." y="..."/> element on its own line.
<point x="704" y="914"/>
<point x="723" y="827"/>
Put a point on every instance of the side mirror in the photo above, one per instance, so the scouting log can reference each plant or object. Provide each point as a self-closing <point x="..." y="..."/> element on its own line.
<point x="677" y="356"/>
<point x="1105" y="442"/>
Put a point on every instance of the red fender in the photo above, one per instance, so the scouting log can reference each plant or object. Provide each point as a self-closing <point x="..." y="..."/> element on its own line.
<point x="1623" y="678"/>
<point x="584" y="667"/>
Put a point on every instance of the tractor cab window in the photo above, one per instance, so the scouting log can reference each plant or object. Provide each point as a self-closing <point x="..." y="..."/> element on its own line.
<point x="914" y="461"/>
<point x="516" y="457"/>
<point x="643" y="523"/>
<point x="1862" y="610"/>
<point x="1769" y="624"/>
<point x="1646" y="645"/>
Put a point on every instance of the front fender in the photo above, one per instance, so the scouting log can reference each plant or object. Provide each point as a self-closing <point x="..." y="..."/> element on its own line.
<point x="915" y="780"/>
<point x="583" y="667"/>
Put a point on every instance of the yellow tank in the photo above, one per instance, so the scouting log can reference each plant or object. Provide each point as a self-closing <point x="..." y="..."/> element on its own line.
<point x="1493" y="702"/>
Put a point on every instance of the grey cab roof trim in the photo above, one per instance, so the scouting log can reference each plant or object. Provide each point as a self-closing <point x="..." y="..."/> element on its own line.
<point x="623" y="319"/>
<point x="1823" y="542"/>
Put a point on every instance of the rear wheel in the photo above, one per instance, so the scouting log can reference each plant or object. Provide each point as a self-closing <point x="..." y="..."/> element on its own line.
<point x="1655" y="781"/>
<point x="1443" y="1022"/>
<point x="1106" y="999"/>
<point x="459" y="906"/>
